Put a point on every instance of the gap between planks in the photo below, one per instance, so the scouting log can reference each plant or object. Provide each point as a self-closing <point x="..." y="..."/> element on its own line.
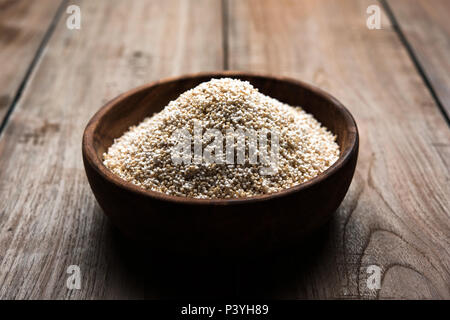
<point x="225" y="40"/>
<point x="412" y="55"/>
<point x="34" y="62"/>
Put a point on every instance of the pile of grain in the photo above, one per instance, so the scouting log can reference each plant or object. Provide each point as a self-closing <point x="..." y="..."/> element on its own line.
<point x="143" y="154"/>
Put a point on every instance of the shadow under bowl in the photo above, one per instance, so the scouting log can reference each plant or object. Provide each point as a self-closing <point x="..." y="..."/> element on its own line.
<point x="243" y="226"/>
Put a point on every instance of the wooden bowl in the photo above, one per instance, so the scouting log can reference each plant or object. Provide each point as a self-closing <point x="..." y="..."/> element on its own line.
<point x="239" y="226"/>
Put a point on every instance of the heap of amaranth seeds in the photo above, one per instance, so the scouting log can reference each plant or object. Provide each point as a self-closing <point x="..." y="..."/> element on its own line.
<point x="143" y="154"/>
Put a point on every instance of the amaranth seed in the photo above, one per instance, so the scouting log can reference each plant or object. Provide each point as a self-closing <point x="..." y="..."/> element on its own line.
<point x="142" y="155"/>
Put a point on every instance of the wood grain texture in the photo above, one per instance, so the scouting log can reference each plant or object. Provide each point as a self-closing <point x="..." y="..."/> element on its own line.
<point x="396" y="214"/>
<point x="49" y="218"/>
<point x="23" y="25"/>
<point x="426" y="28"/>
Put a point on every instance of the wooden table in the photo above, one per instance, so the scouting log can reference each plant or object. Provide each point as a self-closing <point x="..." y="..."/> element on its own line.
<point x="395" y="80"/>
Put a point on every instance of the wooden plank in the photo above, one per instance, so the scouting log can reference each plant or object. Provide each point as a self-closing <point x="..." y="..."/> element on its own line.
<point x="396" y="213"/>
<point x="22" y="28"/>
<point x="425" y="26"/>
<point x="49" y="218"/>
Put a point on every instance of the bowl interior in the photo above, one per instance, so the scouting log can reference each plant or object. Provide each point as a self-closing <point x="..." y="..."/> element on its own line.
<point x="132" y="107"/>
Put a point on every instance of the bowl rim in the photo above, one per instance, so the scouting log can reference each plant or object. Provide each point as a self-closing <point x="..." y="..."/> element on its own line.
<point x="90" y="155"/>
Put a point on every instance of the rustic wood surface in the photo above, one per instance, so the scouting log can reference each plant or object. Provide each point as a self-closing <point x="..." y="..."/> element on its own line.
<point x="395" y="215"/>
<point x="23" y="28"/>
<point x="49" y="218"/>
<point x="425" y="25"/>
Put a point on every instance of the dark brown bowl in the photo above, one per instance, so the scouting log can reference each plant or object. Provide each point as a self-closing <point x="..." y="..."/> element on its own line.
<point x="240" y="226"/>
